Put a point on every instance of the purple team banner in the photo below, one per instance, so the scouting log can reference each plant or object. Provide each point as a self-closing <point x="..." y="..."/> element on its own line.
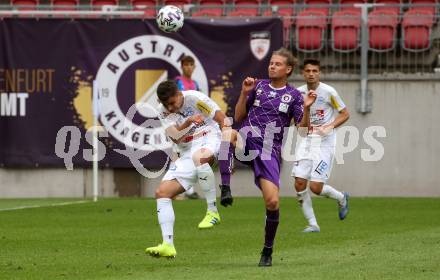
<point x="48" y="68"/>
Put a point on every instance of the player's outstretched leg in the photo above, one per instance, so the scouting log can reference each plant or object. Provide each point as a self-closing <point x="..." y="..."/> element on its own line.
<point x="165" y="215"/>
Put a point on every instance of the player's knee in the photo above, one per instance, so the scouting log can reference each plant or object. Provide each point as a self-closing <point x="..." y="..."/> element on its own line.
<point x="300" y="185"/>
<point x="202" y="157"/>
<point x="316" y="188"/>
<point x="272" y="203"/>
<point x="161" y="193"/>
<point x="199" y="160"/>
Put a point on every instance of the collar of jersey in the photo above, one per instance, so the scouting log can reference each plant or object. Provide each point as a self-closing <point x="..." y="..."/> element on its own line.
<point x="277" y="88"/>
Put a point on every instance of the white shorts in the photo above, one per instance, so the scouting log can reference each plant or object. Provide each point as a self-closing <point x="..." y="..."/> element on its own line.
<point x="316" y="168"/>
<point x="183" y="169"/>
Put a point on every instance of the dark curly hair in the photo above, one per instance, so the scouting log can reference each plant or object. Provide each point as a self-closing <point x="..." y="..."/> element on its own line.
<point x="166" y="89"/>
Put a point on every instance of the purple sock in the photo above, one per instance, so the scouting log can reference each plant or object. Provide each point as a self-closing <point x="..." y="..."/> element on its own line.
<point x="272" y="221"/>
<point x="225" y="159"/>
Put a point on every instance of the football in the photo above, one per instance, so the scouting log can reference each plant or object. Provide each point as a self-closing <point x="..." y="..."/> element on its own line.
<point x="170" y="18"/>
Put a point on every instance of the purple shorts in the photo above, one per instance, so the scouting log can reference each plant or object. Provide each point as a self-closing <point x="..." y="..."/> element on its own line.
<point x="264" y="166"/>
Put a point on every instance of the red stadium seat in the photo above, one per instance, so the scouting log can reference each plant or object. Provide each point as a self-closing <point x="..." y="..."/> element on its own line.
<point x="213" y="8"/>
<point x="310" y="30"/>
<point x="416" y="30"/>
<point x="284" y="9"/>
<point x="99" y="3"/>
<point x="393" y="8"/>
<point x="104" y="2"/>
<point x="249" y="8"/>
<point x="430" y="7"/>
<point x="351" y="3"/>
<point x="346" y="30"/>
<point x="65" y="4"/>
<point x="147" y="6"/>
<point x="324" y="6"/>
<point x="177" y="3"/>
<point x="382" y="27"/>
<point x="30" y="4"/>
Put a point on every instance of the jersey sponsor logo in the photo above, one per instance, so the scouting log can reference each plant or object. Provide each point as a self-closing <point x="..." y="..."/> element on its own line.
<point x="321" y="168"/>
<point x="187" y="111"/>
<point x="320" y="113"/>
<point x="260" y="44"/>
<point x="286" y="98"/>
<point x="320" y="99"/>
<point x="204" y="108"/>
<point x="283" y="107"/>
<point x="165" y="53"/>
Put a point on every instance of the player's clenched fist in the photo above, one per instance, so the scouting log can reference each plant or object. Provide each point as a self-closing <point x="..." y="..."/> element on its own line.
<point x="196" y="119"/>
<point x="247" y="85"/>
<point x="310" y="98"/>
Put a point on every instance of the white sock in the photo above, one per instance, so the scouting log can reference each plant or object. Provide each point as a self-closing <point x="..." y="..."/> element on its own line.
<point x="206" y="179"/>
<point x="165" y="215"/>
<point x="306" y="205"/>
<point x="189" y="191"/>
<point x="329" y="191"/>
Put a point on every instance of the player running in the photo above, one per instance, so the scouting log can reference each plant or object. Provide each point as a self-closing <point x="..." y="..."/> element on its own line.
<point x="191" y="120"/>
<point x="314" y="154"/>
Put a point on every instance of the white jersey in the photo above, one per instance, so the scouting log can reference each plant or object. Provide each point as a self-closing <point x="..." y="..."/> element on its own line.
<point x="194" y="102"/>
<point x="323" y="111"/>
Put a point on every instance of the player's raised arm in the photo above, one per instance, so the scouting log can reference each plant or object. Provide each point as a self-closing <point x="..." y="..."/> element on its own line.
<point x="240" y="108"/>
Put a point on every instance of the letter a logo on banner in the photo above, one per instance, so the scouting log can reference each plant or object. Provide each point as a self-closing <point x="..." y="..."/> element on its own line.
<point x="260" y="44"/>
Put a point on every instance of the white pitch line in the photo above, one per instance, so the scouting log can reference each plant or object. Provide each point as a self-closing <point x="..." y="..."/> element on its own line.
<point x="47" y="205"/>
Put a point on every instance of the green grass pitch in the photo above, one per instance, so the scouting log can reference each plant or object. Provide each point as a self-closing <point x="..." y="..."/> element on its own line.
<point x="382" y="238"/>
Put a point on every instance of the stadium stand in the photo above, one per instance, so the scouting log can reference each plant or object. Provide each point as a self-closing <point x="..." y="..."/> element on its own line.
<point x="285" y="10"/>
<point x="345" y="31"/>
<point x="147" y="6"/>
<point x="348" y="5"/>
<point x="328" y="29"/>
<point x="310" y="31"/>
<point x="416" y="30"/>
<point x="177" y="3"/>
<point x="418" y="5"/>
<point x="104" y="2"/>
<point x="382" y="26"/>
<point x="209" y="8"/>
<point x="322" y="6"/>
<point x="246" y="8"/>
<point x="26" y="4"/>
<point x="389" y="5"/>
<point x="65" y="4"/>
